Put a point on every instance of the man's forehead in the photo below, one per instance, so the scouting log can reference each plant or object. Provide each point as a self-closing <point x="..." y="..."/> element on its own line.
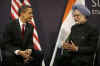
<point x="76" y="11"/>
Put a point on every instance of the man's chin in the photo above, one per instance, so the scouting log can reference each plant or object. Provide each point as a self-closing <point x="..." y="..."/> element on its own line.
<point x="77" y="22"/>
<point x="29" y="20"/>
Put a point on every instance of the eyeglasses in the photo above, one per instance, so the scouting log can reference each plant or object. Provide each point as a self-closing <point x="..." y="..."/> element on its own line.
<point x="76" y="15"/>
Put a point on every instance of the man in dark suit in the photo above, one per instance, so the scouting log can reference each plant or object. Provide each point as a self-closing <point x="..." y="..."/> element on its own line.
<point x="81" y="44"/>
<point x="19" y="41"/>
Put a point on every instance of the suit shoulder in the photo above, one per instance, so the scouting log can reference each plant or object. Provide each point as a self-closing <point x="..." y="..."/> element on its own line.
<point x="11" y="25"/>
<point x="13" y="22"/>
<point x="93" y="28"/>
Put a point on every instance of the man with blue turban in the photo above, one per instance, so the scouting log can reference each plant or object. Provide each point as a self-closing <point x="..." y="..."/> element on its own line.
<point x="80" y="46"/>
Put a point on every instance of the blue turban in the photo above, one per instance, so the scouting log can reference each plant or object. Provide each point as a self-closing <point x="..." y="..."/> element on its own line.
<point x="83" y="9"/>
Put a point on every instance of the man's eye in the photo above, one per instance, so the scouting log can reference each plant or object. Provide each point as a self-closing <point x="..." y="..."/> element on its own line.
<point x="76" y="15"/>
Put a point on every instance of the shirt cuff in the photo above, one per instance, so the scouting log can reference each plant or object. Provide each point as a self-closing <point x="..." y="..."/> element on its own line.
<point x="16" y="52"/>
<point x="77" y="48"/>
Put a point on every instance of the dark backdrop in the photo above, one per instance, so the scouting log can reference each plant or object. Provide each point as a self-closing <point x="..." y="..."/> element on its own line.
<point x="4" y="14"/>
<point x="50" y="16"/>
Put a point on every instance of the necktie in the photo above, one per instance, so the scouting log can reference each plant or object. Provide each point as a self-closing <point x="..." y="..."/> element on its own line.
<point x="23" y="29"/>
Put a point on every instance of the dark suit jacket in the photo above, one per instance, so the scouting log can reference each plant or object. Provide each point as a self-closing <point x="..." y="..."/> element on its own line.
<point x="13" y="41"/>
<point x="85" y="36"/>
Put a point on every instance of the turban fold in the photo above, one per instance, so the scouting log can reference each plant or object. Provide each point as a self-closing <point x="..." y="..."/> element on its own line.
<point x="83" y="9"/>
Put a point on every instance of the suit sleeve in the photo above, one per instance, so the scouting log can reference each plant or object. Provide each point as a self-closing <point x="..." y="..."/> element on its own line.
<point x="92" y="43"/>
<point x="9" y="42"/>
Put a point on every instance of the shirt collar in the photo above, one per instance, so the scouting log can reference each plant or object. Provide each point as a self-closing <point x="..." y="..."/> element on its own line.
<point x="21" y="23"/>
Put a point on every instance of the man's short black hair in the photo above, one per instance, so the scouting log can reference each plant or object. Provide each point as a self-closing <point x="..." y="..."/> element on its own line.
<point x="23" y="9"/>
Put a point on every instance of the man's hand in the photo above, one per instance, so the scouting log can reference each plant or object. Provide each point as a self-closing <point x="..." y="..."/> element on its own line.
<point x="22" y="53"/>
<point x="27" y="59"/>
<point x="28" y="51"/>
<point x="26" y="54"/>
<point x="70" y="46"/>
<point x="74" y="47"/>
<point x="67" y="46"/>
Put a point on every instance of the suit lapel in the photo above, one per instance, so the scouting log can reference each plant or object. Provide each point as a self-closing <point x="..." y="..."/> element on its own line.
<point x="27" y="31"/>
<point x="18" y="29"/>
